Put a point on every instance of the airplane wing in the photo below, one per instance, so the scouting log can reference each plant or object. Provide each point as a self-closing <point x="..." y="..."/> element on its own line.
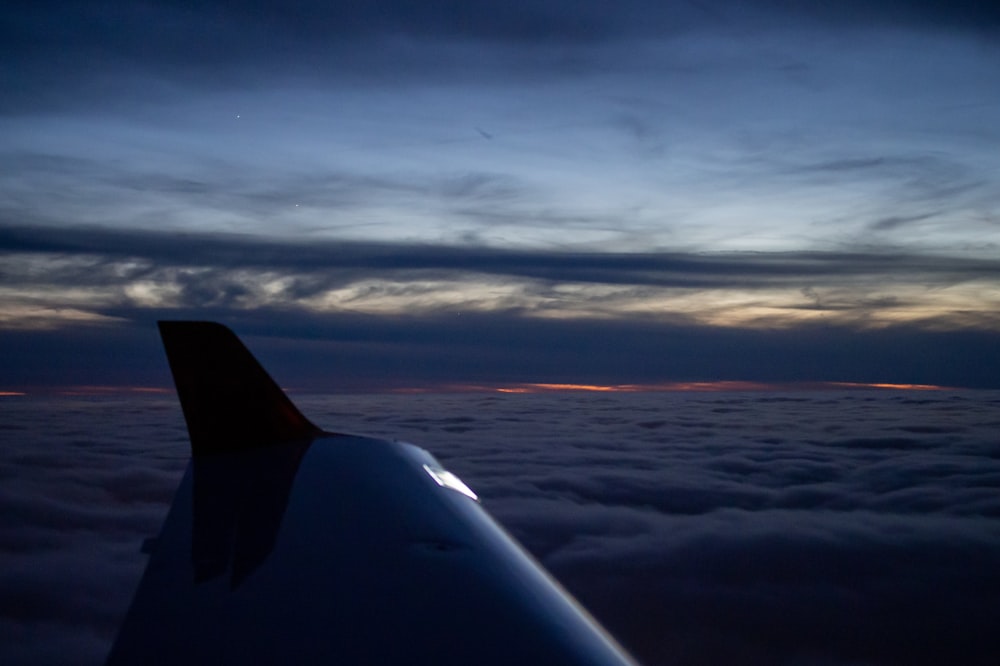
<point x="287" y="544"/>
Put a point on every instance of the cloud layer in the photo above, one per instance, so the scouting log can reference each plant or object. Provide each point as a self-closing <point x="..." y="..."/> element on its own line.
<point x="79" y="306"/>
<point x="817" y="528"/>
<point x="131" y="270"/>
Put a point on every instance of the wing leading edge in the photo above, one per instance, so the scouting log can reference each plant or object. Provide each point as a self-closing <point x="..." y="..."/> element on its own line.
<point x="286" y="544"/>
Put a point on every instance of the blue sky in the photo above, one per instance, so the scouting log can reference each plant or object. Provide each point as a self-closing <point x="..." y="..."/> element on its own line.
<point x="763" y="176"/>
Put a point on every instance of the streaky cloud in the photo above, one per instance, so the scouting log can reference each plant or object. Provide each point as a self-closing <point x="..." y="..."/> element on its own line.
<point x="674" y="269"/>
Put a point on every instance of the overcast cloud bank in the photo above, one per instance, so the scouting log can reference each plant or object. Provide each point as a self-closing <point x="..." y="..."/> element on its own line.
<point x="759" y="528"/>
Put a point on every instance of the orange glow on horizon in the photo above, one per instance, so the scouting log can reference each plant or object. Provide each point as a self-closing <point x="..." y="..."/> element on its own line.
<point x="527" y="388"/>
<point x="636" y="388"/>
<point x="532" y="387"/>
<point x="111" y="390"/>
<point x="664" y="387"/>
<point x="897" y="387"/>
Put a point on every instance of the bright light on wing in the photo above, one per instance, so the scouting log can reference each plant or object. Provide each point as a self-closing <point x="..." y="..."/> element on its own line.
<point x="446" y="479"/>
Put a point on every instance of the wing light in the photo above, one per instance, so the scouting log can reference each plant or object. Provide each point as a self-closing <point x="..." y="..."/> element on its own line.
<point x="446" y="479"/>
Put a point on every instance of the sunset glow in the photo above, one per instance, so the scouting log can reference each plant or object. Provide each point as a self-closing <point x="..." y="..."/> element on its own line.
<point x="667" y="387"/>
<point x="112" y="390"/>
<point x="895" y="387"/>
<point x="636" y="388"/>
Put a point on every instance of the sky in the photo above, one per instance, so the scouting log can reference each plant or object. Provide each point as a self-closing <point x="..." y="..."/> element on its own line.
<point x="395" y="194"/>
<point x="434" y="194"/>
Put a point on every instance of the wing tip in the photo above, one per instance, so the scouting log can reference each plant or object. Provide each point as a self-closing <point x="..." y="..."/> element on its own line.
<point x="230" y="402"/>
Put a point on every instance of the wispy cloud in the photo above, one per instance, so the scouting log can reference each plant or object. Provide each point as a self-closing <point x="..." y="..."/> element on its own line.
<point x="133" y="269"/>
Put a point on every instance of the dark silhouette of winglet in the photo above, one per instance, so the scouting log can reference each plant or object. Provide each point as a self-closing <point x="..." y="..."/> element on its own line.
<point x="229" y="401"/>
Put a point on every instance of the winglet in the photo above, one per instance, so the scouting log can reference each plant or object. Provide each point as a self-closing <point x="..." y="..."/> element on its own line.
<point x="229" y="401"/>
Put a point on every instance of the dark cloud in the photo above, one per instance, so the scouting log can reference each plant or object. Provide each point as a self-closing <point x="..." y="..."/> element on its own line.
<point x="978" y="15"/>
<point x="769" y="528"/>
<point x="344" y="260"/>
<point x="74" y="52"/>
<point x="62" y="53"/>
<point x="118" y="26"/>
<point x="74" y="516"/>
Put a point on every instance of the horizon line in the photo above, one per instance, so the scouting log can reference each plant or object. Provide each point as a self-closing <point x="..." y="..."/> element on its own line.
<point x="716" y="386"/>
